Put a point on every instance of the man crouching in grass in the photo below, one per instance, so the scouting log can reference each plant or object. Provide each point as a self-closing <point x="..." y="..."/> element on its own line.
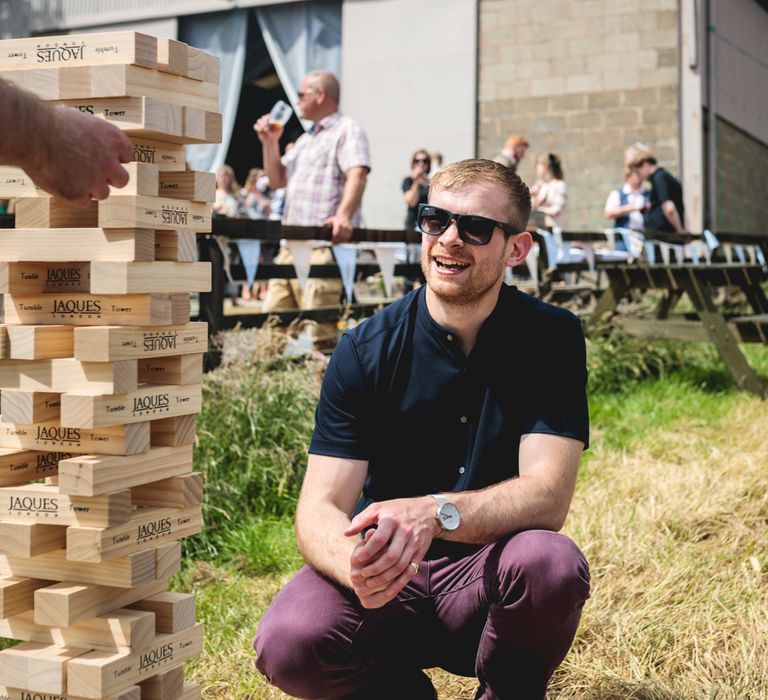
<point x="460" y="414"/>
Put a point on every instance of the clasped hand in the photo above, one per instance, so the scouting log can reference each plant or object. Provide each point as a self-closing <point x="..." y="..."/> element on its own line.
<point x="380" y="565"/>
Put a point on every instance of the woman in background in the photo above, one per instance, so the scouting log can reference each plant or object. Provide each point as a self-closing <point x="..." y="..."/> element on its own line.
<point x="627" y="204"/>
<point x="416" y="186"/>
<point x="549" y="193"/>
<point x="227" y="189"/>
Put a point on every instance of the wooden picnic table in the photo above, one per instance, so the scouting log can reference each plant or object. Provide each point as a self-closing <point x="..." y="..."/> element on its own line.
<point x="709" y="323"/>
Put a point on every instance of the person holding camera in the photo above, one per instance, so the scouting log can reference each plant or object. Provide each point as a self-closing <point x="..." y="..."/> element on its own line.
<point x="416" y="186"/>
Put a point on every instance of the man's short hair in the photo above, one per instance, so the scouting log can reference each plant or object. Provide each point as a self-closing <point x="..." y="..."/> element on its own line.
<point x="466" y="173"/>
<point x="515" y="140"/>
<point x="327" y="81"/>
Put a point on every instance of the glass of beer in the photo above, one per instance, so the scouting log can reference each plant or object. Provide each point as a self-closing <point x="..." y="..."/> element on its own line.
<point x="279" y="115"/>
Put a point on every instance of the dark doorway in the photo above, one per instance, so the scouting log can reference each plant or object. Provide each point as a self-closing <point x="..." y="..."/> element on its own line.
<point x="261" y="89"/>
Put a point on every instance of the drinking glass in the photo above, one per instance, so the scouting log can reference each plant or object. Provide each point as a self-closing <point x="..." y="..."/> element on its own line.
<point x="279" y="115"/>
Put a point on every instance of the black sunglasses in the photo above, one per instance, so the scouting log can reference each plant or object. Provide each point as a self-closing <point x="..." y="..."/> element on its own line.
<point x="421" y="160"/>
<point x="476" y="230"/>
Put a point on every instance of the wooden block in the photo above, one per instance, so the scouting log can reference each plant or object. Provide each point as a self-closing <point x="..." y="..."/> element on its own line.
<point x="23" y="466"/>
<point x="30" y="406"/>
<point x="113" y="343"/>
<point x="150" y="277"/>
<point x="202" y="66"/>
<point x="66" y="374"/>
<point x="117" y="440"/>
<point x="131" y="693"/>
<point x="173" y="432"/>
<point x="91" y="475"/>
<point x="67" y="245"/>
<point x="79" y="49"/>
<point x="188" y="185"/>
<point x="190" y="691"/>
<point x="31" y="539"/>
<point x="172" y="56"/>
<point x="166" y="685"/>
<point x="173" y="611"/>
<point x="165" y="156"/>
<point x="44" y="503"/>
<point x="38" y="277"/>
<point x="94" y="309"/>
<point x="142" y="180"/>
<point x="4" y="344"/>
<point x="51" y="212"/>
<point x="40" y="342"/>
<point x="183" y="491"/>
<point x="167" y="559"/>
<point x="14" y="182"/>
<point x="17" y="594"/>
<point x="179" y="369"/>
<point x="128" y="211"/>
<point x="41" y="82"/>
<point x="119" y="630"/>
<point x="80" y="410"/>
<point x="41" y="668"/>
<point x="121" y="572"/>
<point x="147" y="527"/>
<point x="64" y="604"/>
<point x="176" y="246"/>
<point x="100" y="673"/>
<point x="201" y="126"/>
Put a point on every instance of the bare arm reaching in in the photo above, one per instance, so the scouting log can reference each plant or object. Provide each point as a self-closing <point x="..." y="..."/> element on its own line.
<point x="70" y="154"/>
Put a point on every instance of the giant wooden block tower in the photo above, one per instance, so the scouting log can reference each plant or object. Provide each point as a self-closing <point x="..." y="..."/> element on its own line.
<point x="100" y="381"/>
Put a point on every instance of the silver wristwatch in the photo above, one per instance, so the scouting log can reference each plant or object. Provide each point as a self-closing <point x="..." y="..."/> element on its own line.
<point x="447" y="514"/>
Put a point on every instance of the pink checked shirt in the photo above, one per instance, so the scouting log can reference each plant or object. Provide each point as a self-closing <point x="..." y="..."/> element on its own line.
<point x="315" y="168"/>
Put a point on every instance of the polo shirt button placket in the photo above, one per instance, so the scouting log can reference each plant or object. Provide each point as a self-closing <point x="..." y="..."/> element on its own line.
<point x="463" y="419"/>
<point x="461" y="470"/>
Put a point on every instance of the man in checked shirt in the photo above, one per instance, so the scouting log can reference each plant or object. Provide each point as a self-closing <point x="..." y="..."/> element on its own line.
<point x="324" y="176"/>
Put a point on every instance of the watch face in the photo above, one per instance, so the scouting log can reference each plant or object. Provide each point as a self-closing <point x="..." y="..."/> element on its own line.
<point x="449" y="517"/>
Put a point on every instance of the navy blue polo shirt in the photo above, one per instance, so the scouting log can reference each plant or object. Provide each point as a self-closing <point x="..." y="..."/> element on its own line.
<point x="400" y="393"/>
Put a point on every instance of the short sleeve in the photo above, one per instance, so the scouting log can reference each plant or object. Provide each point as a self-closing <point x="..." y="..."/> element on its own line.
<point x="353" y="150"/>
<point x="559" y="405"/>
<point x="661" y="183"/>
<point x="613" y="201"/>
<point x="407" y="182"/>
<point x="340" y="416"/>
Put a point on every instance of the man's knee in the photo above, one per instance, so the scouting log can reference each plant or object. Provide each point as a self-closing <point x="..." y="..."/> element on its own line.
<point x="542" y="570"/>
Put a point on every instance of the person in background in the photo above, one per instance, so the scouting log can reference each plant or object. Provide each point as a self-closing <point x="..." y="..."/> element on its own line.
<point x="253" y="197"/>
<point x="226" y="202"/>
<point x="627" y="205"/>
<point x="549" y="193"/>
<point x="69" y="154"/>
<point x="324" y="174"/>
<point x="513" y="152"/>
<point x="441" y="468"/>
<point x="416" y="186"/>
<point x="667" y="211"/>
<point x="436" y="159"/>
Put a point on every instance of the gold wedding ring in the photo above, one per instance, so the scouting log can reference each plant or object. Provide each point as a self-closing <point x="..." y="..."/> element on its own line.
<point x="415" y="568"/>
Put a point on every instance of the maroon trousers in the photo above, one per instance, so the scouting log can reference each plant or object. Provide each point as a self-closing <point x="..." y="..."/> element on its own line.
<point x="506" y="614"/>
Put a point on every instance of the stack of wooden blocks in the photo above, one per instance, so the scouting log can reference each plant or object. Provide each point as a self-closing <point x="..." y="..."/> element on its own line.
<point x="100" y="378"/>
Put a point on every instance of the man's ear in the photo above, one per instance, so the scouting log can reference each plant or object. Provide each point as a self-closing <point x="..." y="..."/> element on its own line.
<point x="521" y="244"/>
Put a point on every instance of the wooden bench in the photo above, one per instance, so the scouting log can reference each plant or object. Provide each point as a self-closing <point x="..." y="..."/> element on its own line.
<point x="708" y="323"/>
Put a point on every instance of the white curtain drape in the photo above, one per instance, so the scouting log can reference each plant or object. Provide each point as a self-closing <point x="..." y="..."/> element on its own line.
<point x="221" y="33"/>
<point x="302" y="37"/>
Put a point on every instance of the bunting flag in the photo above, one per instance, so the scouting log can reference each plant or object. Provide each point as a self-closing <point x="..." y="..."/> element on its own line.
<point x="728" y="253"/>
<point x="711" y="240"/>
<point x="610" y="236"/>
<point x="532" y="262"/>
<point x="739" y="250"/>
<point x="302" y="254"/>
<point x="650" y="252"/>
<point x="760" y="255"/>
<point x="552" y="252"/>
<point x="679" y="254"/>
<point x="509" y="276"/>
<point x="692" y="249"/>
<point x="346" y="259"/>
<point x="385" y="256"/>
<point x="589" y="254"/>
<point x="250" y="250"/>
<point x="664" y="252"/>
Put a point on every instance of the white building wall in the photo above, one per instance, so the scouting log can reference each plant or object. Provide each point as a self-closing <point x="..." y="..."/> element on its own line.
<point x="409" y="74"/>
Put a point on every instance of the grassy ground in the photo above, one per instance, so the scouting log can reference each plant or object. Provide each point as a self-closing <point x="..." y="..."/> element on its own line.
<point x="671" y="510"/>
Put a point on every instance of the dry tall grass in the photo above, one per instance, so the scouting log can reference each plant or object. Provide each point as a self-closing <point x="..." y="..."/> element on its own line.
<point x="676" y="532"/>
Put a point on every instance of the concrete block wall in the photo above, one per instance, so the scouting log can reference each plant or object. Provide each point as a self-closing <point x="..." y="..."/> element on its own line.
<point x="583" y="79"/>
<point x="742" y="180"/>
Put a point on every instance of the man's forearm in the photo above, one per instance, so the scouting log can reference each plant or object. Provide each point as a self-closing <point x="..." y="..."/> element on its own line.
<point x="318" y="531"/>
<point x="273" y="166"/>
<point x="32" y="126"/>
<point x="352" y="194"/>
<point x="670" y="212"/>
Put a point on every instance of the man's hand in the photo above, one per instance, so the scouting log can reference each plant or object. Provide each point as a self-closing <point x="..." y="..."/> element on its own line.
<point x="83" y="160"/>
<point x="341" y="228"/>
<point x="267" y="133"/>
<point x="380" y="567"/>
